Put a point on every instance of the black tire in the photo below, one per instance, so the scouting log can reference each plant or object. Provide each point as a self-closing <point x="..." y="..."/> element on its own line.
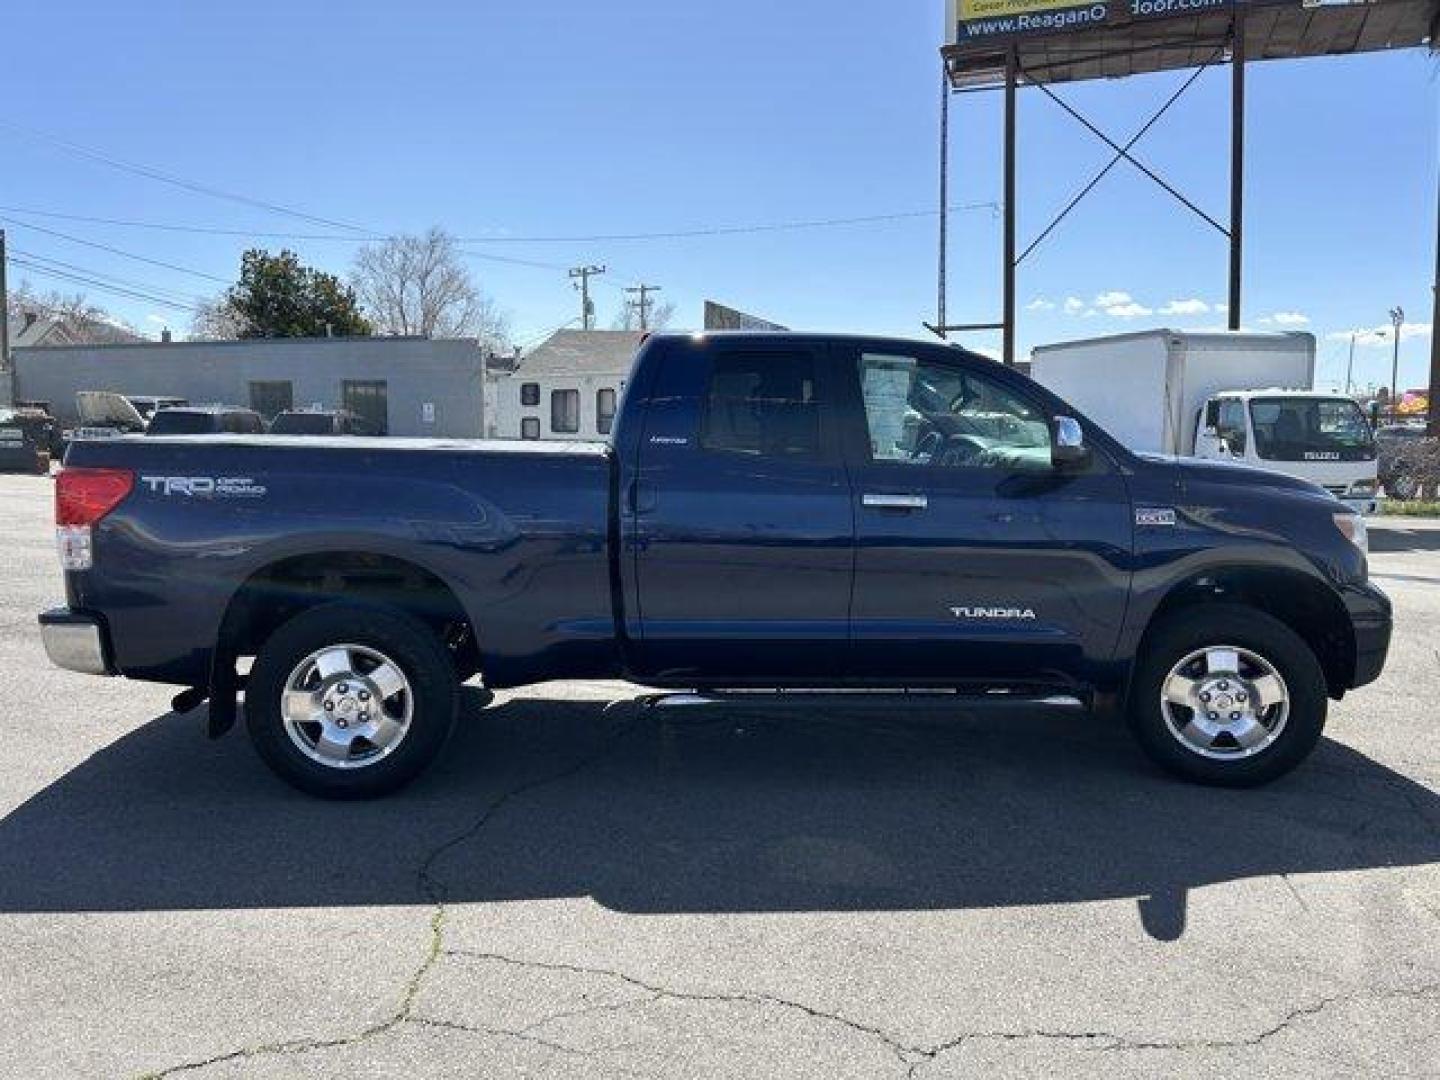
<point x="1184" y="633"/>
<point x="432" y="693"/>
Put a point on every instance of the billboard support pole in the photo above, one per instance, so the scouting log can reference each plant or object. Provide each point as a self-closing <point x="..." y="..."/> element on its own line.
<point x="1237" y="160"/>
<point x="1433" y="428"/>
<point x="944" y="195"/>
<point x="1012" y="65"/>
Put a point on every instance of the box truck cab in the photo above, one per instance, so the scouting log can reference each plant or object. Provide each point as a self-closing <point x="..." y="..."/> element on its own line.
<point x="1227" y="396"/>
<point x="1323" y="438"/>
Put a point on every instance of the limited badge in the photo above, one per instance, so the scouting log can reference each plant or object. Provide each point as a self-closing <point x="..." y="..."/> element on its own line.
<point x="1154" y="515"/>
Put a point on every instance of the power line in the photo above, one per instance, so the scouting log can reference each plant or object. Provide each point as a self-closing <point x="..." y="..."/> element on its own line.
<point x="672" y="234"/>
<point x="124" y="282"/>
<point x="177" y="181"/>
<point x="116" y="251"/>
<point x="89" y="282"/>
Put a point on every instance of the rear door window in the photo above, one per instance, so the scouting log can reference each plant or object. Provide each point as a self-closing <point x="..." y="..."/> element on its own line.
<point x="763" y="404"/>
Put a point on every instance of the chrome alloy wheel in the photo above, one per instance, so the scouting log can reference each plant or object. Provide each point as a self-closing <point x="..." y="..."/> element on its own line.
<point x="1225" y="702"/>
<point x="347" y="706"/>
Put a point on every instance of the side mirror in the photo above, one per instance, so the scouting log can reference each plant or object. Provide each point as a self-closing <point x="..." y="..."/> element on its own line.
<point x="1068" y="450"/>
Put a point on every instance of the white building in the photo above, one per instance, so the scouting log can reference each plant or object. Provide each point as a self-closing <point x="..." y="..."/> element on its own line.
<point x="566" y="388"/>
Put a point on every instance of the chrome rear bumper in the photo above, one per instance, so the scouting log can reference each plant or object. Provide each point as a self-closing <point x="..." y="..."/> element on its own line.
<point x="75" y="641"/>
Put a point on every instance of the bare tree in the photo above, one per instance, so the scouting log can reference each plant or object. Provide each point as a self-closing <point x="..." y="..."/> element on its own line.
<point x="659" y="318"/>
<point x="418" y="285"/>
<point x="215" y="320"/>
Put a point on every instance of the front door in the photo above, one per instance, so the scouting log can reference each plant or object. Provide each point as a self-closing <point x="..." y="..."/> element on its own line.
<point x="740" y="518"/>
<point x="975" y="556"/>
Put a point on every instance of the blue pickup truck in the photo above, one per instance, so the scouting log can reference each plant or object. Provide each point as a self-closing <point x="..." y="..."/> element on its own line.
<point x="783" y="517"/>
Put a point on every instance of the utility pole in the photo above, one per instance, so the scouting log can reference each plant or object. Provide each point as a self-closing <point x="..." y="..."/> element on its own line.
<point x="5" y="389"/>
<point x="1397" y="320"/>
<point x="1350" y="366"/>
<point x="643" y="291"/>
<point x="587" y="309"/>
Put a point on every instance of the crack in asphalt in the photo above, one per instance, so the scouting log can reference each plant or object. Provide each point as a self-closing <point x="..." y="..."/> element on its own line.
<point x="658" y="993"/>
<point x="431" y="888"/>
<point x="915" y="1056"/>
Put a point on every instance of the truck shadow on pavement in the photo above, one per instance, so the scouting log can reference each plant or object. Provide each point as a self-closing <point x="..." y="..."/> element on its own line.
<point x="736" y="812"/>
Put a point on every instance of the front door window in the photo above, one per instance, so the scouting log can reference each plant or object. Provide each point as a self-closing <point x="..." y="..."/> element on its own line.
<point x="923" y="413"/>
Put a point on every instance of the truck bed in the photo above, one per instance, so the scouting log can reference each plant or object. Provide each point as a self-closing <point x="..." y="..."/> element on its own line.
<point x="520" y="531"/>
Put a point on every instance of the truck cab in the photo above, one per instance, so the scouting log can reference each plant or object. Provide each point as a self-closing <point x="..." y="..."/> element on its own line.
<point x="1322" y="438"/>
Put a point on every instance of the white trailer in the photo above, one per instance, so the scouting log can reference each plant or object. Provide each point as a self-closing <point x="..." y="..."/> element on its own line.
<point x="1240" y="397"/>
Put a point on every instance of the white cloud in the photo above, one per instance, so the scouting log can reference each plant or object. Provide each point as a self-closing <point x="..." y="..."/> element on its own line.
<point x="1375" y="336"/>
<point x="158" y="320"/>
<point x="1119" y="305"/>
<point x="1074" y="305"/>
<point x="1185" y="307"/>
<point x="1287" y="318"/>
<point x="1131" y="310"/>
<point x="1040" y="304"/>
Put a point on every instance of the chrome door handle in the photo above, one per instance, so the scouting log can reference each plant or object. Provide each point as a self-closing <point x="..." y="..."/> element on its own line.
<point x="895" y="502"/>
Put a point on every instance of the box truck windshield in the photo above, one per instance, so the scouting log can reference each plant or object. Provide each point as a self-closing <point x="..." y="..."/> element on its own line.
<point x="1310" y="429"/>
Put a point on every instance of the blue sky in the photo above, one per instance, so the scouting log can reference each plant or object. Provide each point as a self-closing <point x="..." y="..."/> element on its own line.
<point x="575" y="119"/>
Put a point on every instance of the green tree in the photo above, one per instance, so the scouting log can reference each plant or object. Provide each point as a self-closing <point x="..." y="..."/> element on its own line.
<point x="276" y="296"/>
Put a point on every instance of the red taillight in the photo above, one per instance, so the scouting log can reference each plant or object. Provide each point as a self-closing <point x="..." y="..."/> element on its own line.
<point x="84" y="496"/>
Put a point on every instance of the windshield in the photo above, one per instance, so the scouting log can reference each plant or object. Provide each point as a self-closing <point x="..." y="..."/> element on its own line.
<point x="1311" y="429"/>
<point x="178" y="422"/>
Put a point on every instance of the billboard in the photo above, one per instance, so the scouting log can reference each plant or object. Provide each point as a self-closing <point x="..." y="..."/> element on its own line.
<point x="720" y="317"/>
<point x="975" y="22"/>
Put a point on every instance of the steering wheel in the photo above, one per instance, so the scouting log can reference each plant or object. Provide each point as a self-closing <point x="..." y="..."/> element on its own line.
<point x="959" y="451"/>
<point x="930" y="446"/>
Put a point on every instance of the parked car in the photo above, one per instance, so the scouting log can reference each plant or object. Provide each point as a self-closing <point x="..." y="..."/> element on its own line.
<point x="22" y="445"/>
<point x="148" y="405"/>
<point x="775" y="512"/>
<point x="205" y="420"/>
<point x="44" y="429"/>
<point x="321" y="422"/>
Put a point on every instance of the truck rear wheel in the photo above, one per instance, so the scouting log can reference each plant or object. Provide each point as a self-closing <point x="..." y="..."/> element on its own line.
<point x="351" y="702"/>
<point x="1227" y="695"/>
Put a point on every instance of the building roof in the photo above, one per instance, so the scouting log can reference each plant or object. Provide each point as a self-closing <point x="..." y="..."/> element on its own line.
<point x="37" y="330"/>
<point x="577" y="352"/>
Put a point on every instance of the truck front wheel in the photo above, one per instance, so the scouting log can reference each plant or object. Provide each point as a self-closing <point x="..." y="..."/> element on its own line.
<point x="351" y="702"/>
<point x="1227" y="695"/>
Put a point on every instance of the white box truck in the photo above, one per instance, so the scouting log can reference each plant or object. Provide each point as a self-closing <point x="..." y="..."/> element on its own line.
<point x="1240" y="397"/>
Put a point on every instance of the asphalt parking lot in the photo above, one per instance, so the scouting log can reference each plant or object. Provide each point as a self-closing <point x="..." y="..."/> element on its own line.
<point x="585" y="889"/>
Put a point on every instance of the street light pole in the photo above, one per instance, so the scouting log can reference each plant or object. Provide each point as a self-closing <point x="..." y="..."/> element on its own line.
<point x="1397" y="320"/>
<point x="1350" y="365"/>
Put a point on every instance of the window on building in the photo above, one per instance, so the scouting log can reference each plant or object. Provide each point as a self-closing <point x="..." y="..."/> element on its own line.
<point x="763" y="403"/>
<point x="530" y="427"/>
<point x="604" y="410"/>
<point x="270" y="399"/>
<point x="530" y="394"/>
<point x="564" y="411"/>
<point x="368" y="398"/>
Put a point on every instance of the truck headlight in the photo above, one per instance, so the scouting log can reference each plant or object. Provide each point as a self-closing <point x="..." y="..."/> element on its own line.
<point x="1352" y="527"/>
<point x="1362" y="489"/>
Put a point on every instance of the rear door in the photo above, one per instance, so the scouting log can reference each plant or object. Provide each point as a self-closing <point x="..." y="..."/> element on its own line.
<point x="741" y="527"/>
<point x="975" y="557"/>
